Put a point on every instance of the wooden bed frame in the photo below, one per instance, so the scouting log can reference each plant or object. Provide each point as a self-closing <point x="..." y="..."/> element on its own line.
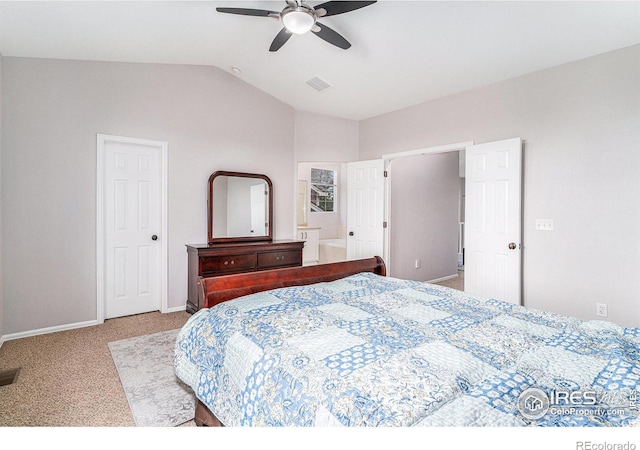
<point x="214" y="290"/>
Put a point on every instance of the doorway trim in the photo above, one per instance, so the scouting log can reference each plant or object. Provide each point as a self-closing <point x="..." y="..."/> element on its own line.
<point x="101" y="141"/>
<point x="387" y="158"/>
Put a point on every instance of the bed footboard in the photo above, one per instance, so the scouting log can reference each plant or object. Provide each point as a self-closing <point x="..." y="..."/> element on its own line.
<point x="214" y="290"/>
<point x="204" y="417"/>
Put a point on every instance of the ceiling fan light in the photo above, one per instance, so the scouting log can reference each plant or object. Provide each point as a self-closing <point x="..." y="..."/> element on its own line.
<point x="298" y="21"/>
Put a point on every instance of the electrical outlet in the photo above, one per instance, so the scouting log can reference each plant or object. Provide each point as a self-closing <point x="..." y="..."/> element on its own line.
<point x="601" y="309"/>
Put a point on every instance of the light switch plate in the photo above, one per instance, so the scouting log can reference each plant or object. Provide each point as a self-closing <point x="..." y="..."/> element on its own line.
<point x="544" y="224"/>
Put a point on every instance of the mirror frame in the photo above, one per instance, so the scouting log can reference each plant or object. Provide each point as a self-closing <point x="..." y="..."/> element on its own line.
<point x="217" y="240"/>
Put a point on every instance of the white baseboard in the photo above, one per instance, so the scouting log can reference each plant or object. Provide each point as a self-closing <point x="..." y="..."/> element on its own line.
<point x="71" y="326"/>
<point x="438" y="280"/>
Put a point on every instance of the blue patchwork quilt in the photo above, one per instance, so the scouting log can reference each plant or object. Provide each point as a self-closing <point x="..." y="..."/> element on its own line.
<point x="368" y="350"/>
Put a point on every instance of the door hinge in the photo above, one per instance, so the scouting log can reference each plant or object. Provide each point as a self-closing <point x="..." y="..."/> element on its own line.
<point x="386" y="174"/>
<point x="384" y="224"/>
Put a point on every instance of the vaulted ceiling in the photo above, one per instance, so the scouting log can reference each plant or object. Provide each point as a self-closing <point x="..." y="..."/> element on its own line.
<point x="402" y="52"/>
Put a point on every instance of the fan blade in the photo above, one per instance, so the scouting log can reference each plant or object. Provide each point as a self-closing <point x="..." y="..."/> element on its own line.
<point x="331" y="36"/>
<point x="333" y="8"/>
<point x="248" y="12"/>
<point x="280" y="40"/>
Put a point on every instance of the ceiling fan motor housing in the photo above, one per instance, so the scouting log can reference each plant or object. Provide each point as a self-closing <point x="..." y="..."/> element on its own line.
<point x="299" y="19"/>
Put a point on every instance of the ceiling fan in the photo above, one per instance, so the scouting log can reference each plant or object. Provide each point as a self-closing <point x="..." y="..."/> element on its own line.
<point x="299" y="18"/>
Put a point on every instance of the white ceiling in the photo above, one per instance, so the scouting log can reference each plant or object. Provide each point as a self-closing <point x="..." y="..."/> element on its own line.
<point x="403" y="52"/>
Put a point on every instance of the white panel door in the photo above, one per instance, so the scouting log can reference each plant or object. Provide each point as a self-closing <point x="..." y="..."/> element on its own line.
<point x="132" y="226"/>
<point x="258" y="210"/>
<point x="365" y="209"/>
<point x="493" y="220"/>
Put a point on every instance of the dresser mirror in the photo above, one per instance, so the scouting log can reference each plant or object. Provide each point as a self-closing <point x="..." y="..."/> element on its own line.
<point x="239" y="207"/>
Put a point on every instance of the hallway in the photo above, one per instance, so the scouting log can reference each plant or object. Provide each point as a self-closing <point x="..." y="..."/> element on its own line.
<point x="455" y="283"/>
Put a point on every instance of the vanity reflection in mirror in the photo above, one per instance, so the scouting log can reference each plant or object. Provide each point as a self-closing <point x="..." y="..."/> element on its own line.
<point x="240" y="207"/>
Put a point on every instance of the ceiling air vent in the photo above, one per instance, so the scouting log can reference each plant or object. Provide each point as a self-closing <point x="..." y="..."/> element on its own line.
<point x="318" y="84"/>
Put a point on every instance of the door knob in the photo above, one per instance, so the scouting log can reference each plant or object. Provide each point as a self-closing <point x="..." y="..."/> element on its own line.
<point x="512" y="245"/>
<point x="154" y="238"/>
<point x="350" y="233"/>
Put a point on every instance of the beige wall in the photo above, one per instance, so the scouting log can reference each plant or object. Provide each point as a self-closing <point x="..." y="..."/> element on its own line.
<point x="53" y="110"/>
<point x="1" y="297"/>
<point x="580" y="123"/>
<point x="324" y="138"/>
<point x="424" y="216"/>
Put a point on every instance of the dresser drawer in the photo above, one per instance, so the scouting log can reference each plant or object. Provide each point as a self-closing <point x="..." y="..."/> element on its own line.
<point x="228" y="263"/>
<point x="213" y="260"/>
<point x="281" y="258"/>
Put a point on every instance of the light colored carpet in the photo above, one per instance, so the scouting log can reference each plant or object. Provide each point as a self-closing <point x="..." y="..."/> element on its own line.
<point x="68" y="378"/>
<point x="455" y="283"/>
<point x="157" y="398"/>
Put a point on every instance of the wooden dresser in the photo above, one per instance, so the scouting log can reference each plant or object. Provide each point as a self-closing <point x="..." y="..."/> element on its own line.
<point x="238" y="257"/>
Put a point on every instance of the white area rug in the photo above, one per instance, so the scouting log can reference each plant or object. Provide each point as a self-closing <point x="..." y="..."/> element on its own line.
<point x="157" y="398"/>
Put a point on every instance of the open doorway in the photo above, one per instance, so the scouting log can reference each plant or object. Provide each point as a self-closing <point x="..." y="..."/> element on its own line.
<point x="426" y="199"/>
<point x="491" y="232"/>
<point x="420" y="267"/>
<point x="321" y="211"/>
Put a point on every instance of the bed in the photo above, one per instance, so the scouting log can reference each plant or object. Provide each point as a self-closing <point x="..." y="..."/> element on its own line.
<point x="345" y="345"/>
